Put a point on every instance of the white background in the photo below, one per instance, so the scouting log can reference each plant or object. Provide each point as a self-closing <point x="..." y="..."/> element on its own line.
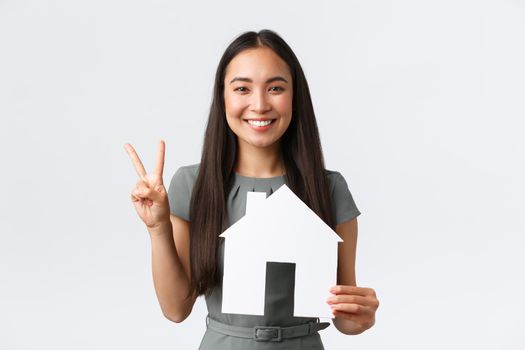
<point x="420" y="106"/>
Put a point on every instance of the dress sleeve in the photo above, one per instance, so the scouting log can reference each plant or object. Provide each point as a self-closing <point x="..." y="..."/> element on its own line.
<point x="345" y="207"/>
<point x="179" y="193"/>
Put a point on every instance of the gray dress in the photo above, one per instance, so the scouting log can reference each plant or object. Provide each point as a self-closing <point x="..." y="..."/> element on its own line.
<point x="279" y="276"/>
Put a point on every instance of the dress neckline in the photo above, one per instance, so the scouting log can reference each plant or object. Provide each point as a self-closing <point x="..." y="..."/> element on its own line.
<point x="258" y="178"/>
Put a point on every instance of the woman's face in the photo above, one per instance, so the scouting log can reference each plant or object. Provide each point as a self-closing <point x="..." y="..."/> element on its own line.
<point x="258" y="97"/>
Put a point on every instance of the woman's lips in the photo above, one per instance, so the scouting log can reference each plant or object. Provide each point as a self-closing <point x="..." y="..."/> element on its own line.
<point x="259" y="124"/>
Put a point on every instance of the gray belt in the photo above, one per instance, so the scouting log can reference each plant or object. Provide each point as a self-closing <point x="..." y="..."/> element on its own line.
<point x="266" y="333"/>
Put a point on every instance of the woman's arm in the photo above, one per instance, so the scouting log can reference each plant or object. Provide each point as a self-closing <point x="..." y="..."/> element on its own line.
<point x="169" y="238"/>
<point x="353" y="307"/>
<point x="171" y="268"/>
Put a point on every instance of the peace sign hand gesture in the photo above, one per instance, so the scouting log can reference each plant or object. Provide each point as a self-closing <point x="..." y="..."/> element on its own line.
<point x="149" y="195"/>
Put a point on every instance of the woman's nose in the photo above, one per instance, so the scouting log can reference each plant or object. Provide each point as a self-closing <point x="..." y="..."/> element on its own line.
<point x="259" y="103"/>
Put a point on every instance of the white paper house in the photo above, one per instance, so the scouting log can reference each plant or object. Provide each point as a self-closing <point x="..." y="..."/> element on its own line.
<point x="280" y="228"/>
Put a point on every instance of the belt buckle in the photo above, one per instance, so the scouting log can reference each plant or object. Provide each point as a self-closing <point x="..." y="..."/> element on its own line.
<point x="267" y="333"/>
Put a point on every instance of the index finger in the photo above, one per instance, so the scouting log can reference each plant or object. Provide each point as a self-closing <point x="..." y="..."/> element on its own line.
<point x="159" y="167"/>
<point x="136" y="161"/>
<point x="342" y="289"/>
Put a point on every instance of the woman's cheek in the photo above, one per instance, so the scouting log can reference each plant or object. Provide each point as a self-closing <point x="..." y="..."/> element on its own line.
<point x="234" y="108"/>
<point x="284" y="104"/>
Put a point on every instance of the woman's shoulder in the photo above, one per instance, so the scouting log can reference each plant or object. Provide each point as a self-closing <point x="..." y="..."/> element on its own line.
<point x="191" y="169"/>
<point x="334" y="177"/>
<point x="186" y="173"/>
<point x="345" y="207"/>
<point x="184" y="178"/>
<point x="332" y="173"/>
<point x="336" y="181"/>
<point x="180" y="189"/>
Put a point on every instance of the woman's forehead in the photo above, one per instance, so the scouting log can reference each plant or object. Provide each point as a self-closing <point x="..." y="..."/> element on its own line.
<point x="257" y="63"/>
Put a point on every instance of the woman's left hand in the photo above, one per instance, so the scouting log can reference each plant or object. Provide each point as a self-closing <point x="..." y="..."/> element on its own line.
<point x="355" y="305"/>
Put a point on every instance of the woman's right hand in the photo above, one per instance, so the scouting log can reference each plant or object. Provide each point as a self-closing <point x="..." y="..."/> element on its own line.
<point x="149" y="196"/>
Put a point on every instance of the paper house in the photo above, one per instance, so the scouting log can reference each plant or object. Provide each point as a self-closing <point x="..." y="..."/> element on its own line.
<point x="280" y="228"/>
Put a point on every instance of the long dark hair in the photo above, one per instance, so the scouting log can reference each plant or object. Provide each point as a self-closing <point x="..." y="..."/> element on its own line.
<point x="301" y="153"/>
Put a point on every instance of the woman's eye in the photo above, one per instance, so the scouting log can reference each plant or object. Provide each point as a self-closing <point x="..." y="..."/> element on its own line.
<point x="276" y="89"/>
<point x="272" y="89"/>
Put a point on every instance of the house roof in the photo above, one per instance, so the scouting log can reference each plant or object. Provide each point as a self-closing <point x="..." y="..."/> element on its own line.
<point x="281" y="212"/>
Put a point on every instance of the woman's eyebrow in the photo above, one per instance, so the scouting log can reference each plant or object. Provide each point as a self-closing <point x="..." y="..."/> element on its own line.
<point x="248" y="80"/>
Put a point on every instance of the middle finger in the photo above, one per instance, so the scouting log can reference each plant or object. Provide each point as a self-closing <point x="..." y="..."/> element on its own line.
<point x="350" y="299"/>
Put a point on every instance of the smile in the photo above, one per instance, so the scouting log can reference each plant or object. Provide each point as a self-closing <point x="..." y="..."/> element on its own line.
<point x="259" y="123"/>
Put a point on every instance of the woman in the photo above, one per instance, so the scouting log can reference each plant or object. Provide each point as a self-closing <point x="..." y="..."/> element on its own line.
<point x="261" y="133"/>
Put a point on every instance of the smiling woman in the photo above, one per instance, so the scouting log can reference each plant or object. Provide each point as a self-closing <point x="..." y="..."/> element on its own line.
<point x="258" y="100"/>
<point x="261" y="134"/>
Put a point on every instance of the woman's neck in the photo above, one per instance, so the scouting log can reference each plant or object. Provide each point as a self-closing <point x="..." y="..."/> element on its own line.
<point x="258" y="161"/>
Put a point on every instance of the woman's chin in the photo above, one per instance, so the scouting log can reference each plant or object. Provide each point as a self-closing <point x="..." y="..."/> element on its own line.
<point x="260" y="143"/>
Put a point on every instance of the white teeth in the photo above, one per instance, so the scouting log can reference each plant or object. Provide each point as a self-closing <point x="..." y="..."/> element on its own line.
<point x="259" y="123"/>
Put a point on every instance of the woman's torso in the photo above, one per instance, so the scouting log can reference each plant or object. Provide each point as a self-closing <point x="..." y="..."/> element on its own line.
<point x="279" y="293"/>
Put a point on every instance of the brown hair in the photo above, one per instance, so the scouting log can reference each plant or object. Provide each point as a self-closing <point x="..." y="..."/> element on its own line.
<point x="301" y="152"/>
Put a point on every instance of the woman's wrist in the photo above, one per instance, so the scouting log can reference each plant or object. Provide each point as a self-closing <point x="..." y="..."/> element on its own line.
<point x="162" y="229"/>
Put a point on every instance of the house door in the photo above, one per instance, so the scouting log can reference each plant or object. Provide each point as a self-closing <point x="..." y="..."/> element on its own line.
<point x="279" y="293"/>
